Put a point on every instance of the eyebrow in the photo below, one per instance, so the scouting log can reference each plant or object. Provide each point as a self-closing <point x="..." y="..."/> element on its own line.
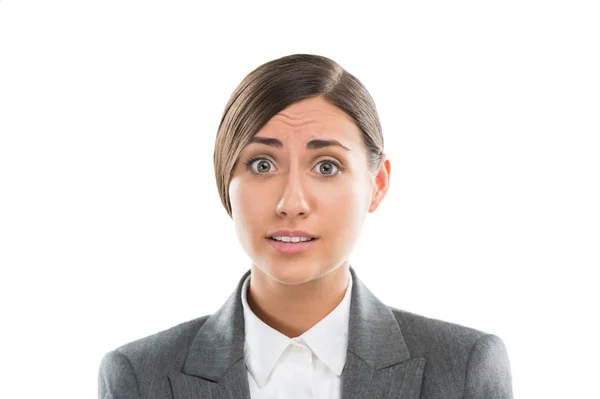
<point x="311" y="145"/>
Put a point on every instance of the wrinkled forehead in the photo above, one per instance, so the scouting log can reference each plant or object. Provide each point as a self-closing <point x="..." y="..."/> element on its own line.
<point x="309" y="120"/>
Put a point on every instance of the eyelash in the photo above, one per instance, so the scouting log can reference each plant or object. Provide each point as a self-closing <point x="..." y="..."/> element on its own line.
<point x="250" y="161"/>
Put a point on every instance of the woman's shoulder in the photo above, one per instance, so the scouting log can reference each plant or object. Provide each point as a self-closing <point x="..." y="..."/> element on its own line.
<point x="426" y="335"/>
<point x="473" y="359"/>
<point x="134" y="369"/>
<point x="167" y="346"/>
<point x="171" y="340"/>
<point x="123" y="368"/>
<point x="427" y="330"/>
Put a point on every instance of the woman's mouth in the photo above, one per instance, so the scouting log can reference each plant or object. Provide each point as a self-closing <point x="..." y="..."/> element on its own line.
<point x="290" y="246"/>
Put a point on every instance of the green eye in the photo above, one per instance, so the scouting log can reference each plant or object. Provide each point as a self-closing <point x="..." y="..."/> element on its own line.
<point x="263" y="166"/>
<point x="327" y="170"/>
<point x="260" y="165"/>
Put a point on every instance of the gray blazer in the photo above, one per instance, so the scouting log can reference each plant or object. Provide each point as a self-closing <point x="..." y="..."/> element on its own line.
<point x="391" y="354"/>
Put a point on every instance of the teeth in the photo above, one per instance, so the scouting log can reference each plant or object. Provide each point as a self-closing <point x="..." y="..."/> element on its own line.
<point x="292" y="239"/>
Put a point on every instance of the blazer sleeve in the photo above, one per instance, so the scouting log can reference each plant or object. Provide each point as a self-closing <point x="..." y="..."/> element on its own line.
<point x="488" y="370"/>
<point x="116" y="378"/>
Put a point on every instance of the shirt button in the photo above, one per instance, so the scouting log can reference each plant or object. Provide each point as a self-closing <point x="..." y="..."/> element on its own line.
<point x="296" y="347"/>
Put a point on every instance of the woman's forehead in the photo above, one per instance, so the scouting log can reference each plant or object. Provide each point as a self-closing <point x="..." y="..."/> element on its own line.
<point x="311" y="111"/>
<point x="311" y="119"/>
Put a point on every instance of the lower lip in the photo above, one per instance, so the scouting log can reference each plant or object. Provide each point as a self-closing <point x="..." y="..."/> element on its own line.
<point x="292" y="247"/>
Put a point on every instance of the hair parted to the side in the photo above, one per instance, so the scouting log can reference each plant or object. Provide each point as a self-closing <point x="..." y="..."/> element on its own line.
<point x="279" y="83"/>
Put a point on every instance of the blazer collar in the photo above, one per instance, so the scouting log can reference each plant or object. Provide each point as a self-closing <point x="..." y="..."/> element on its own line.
<point x="378" y="360"/>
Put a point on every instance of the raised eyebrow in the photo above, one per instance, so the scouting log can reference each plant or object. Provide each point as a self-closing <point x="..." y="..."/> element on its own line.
<point x="311" y="145"/>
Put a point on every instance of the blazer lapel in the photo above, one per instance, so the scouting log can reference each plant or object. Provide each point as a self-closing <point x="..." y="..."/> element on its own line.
<point x="378" y="364"/>
<point x="215" y="367"/>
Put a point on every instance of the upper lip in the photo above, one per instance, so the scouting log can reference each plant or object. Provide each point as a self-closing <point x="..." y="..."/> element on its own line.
<point x="290" y="233"/>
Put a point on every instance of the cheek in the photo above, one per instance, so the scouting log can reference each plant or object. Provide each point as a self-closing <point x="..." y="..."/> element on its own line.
<point x="343" y="209"/>
<point x="247" y="201"/>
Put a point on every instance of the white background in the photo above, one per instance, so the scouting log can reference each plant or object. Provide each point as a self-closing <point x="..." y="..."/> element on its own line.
<point x="111" y="227"/>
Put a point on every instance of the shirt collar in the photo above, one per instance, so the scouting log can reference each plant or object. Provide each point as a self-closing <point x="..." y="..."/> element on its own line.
<point x="328" y="339"/>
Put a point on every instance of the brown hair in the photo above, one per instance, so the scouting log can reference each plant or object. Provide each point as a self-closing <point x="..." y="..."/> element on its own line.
<point x="279" y="83"/>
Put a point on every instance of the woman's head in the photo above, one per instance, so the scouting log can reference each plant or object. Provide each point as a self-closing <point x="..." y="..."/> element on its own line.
<point x="321" y="170"/>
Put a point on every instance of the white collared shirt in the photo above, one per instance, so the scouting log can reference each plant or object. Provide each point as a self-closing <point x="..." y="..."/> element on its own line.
<point x="308" y="366"/>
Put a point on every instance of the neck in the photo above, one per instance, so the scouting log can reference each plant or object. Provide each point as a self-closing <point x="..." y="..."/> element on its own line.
<point x="294" y="309"/>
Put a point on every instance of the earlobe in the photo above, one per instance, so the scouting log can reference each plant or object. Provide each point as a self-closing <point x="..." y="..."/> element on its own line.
<point x="374" y="202"/>
<point x="377" y="197"/>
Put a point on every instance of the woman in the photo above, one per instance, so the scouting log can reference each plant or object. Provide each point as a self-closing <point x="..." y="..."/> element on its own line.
<point x="299" y="163"/>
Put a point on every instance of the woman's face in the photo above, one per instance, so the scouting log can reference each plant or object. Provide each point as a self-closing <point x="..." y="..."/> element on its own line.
<point x="294" y="183"/>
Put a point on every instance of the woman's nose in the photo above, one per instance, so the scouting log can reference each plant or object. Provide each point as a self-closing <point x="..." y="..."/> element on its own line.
<point x="293" y="201"/>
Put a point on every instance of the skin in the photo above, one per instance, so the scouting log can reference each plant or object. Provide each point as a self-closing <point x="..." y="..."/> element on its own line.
<point x="296" y="188"/>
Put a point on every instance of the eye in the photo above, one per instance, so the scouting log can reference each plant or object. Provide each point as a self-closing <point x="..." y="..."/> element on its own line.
<point x="262" y="164"/>
<point x="326" y="169"/>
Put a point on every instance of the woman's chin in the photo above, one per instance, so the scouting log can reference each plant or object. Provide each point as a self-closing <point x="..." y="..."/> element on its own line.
<point x="292" y="274"/>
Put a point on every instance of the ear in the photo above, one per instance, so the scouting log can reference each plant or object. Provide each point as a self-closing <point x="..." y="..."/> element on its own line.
<point x="382" y="183"/>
